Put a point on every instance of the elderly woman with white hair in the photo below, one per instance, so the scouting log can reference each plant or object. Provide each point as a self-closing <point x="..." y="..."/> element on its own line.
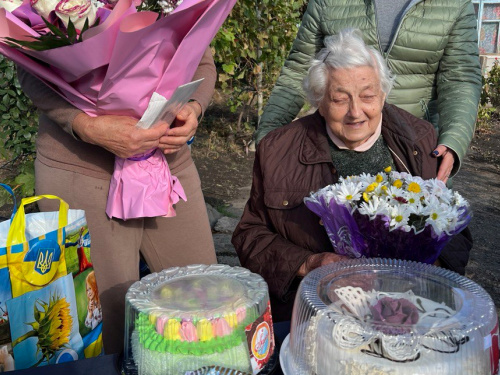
<point x="353" y="131"/>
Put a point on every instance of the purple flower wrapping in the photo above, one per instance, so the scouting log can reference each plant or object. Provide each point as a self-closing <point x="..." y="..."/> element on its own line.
<point x="340" y="226"/>
<point x="355" y="235"/>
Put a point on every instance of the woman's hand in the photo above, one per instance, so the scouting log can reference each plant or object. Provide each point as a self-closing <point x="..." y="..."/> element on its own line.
<point x="447" y="161"/>
<point x="118" y="134"/>
<point x="318" y="260"/>
<point x="183" y="128"/>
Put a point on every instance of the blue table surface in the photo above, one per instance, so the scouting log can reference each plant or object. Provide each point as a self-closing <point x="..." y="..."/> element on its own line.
<point x="110" y="364"/>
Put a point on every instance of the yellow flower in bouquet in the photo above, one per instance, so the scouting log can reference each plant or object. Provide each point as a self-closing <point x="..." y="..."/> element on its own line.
<point x="390" y="215"/>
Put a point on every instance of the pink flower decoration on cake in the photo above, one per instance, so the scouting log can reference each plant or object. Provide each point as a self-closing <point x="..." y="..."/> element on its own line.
<point x="188" y="331"/>
<point x="221" y="327"/>
<point x="241" y="314"/>
<point x="160" y="323"/>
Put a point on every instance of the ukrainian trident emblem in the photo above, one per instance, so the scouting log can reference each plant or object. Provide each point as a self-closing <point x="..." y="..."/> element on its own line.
<point x="41" y="262"/>
<point x="44" y="261"/>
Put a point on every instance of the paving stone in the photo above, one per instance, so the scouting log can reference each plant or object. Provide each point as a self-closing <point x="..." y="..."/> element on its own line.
<point x="226" y="225"/>
<point x="213" y="215"/>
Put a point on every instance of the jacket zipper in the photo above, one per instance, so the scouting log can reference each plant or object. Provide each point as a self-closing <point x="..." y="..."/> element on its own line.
<point x="376" y="29"/>
<point x="401" y="161"/>
<point x="386" y="54"/>
<point x="425" y="108"/>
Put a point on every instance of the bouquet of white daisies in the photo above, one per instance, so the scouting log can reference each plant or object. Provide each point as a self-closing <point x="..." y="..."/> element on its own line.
<point x="390" y="215"/>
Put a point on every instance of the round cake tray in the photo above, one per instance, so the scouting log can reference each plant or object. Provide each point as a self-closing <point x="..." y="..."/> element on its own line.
<point x="284" y="356"/>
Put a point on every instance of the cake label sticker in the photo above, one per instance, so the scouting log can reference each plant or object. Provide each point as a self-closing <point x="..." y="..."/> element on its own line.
<point x="491" y="344"/>
<point x="260" y="338"/>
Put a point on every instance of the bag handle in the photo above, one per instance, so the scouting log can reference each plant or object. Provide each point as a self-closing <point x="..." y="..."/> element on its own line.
<point x="9" y="190"/>
<point x="17" y="229"/>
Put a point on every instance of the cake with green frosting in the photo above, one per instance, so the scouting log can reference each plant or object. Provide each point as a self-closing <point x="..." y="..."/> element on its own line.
<point x="182" y="319"/>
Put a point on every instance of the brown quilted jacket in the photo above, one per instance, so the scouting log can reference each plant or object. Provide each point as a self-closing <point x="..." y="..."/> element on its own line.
<point x="277" y="232"/>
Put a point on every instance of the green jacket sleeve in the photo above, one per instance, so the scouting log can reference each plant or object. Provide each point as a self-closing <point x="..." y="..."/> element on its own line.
<point x="459" y="85"/>
<point x="287" y="97"/>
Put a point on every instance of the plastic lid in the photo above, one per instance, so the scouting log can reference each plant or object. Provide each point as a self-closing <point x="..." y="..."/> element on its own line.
<point x="198" y="289"/>
<point x="403" y="313"/>
<point x="187" y="318"/>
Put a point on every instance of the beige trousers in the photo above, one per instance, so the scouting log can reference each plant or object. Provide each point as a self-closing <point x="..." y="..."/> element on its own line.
<point x="115" y="244"/>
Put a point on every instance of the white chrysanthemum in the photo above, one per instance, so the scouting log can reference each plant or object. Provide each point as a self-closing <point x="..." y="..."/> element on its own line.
<point x="347" y="179"/>
<point x="393" y="192"/>
<point x="435" y="187"/>
<point x="380" y="190"/>
<point x="408" y="203"/>
<point x="426" y="195"/>
<point x="364" y="179"/>
<point x="399" y="217"/>
<point x="439" y="215"/>
<point x="415" y="199"/>
<point x="334" y="189"/>
<point x="452" y="218"/>
<point x="348" y="193"/>
<point x="405" y="176"/>
<point x="395" y="175"/>
<point x="398" y="176"/>
<point x="459" y="201"/>
<point x="446" y="196"/>
<point x="418" y="208"/>
<point x="375" y="206"/>
<point x="417" y="179"/>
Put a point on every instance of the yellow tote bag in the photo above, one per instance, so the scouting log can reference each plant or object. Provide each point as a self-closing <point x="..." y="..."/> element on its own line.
<point x="48" y="288"/>
<point x="38" y="260"/>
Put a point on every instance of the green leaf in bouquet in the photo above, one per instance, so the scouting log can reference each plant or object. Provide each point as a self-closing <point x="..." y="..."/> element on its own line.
<point x="54" y="29"/>
<point x="85" y="28"/>
<point x="417" y="221"/>
<point x="40" y="43"/>
<point x="72" y="34"/>
<point x="55" y="38"/>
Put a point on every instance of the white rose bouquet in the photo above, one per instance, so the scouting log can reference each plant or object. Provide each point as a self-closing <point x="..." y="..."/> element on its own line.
<point x="62" y="22"/>
<point x="390" y="215"/>
<point x="109" y="57"/>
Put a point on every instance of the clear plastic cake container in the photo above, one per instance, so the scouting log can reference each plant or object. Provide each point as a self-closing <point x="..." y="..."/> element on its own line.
<point x="181" y="320"/>
<point x="380" y="316"/>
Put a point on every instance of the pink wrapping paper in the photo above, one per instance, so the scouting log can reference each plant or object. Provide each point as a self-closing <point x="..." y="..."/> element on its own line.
<point x="115" y="70"/>
<point x="156" y="198"/>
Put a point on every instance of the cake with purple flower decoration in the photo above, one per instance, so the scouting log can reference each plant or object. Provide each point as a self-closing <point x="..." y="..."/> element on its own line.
<point x="390" y="317"/>
<point x="182" y="319"/>
<point x="382" y="342"/>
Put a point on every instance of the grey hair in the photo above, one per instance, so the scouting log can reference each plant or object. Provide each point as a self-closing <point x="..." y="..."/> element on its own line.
<point x="344" y="51"/>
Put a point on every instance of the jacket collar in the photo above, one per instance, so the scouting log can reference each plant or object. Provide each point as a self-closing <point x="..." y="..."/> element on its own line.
<point x="395" y="125"/>
<point x="314" y="147"/>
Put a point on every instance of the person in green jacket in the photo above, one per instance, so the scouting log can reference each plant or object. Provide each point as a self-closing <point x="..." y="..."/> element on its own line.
<point x="430" y="46"/>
